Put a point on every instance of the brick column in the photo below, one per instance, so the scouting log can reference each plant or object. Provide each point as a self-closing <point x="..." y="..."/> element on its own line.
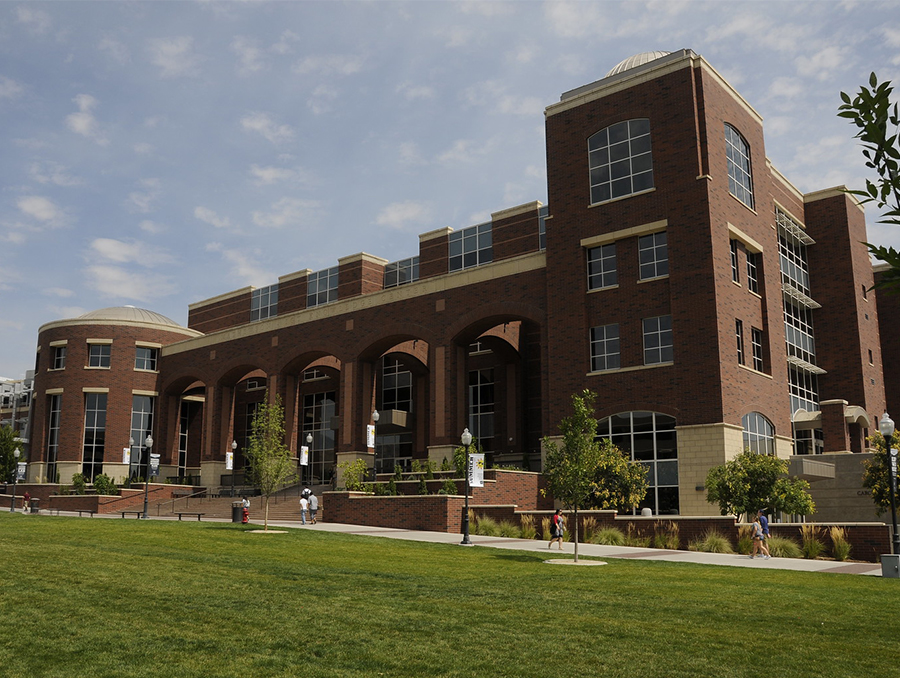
<point x="834" y="426"/>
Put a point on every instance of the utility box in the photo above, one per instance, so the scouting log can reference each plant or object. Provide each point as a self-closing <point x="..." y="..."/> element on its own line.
<point x="890" y="565"/>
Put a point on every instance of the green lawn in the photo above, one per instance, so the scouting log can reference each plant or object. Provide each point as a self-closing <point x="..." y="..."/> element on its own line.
<point x="119" y="598"/>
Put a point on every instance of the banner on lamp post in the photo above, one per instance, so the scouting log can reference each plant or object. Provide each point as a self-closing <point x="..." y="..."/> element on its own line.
<point x="154" y="465"/>
<point x="126" y="455"/>
<point x="476" y="470"/>
<point x="229" y="461"/>
<point x="20" y="470"/>
<point x="304" y="455"/>
<point x="370" y="436"/>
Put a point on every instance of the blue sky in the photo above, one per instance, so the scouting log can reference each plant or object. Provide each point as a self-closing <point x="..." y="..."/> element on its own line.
<point x="161" y="153"/>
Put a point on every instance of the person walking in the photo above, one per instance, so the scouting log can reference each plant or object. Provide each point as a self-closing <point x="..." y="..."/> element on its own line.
<point x="245" y="510"/>
<point x="304" y="508"/>
<point x="557" y="528"/>
<point x="758" y="545"/>
<point x="764" y="524"/>
<point x="313" y="507"/>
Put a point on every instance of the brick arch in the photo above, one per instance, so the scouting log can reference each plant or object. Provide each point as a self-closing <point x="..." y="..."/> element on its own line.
<point x="298" y="363"/>
<point x="479" y="320"/>
<point x="375" y="344"/>
<point x="625" y="406"/>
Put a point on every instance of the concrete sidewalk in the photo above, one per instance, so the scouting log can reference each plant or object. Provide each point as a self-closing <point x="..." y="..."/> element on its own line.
<point x="594" y="550"/>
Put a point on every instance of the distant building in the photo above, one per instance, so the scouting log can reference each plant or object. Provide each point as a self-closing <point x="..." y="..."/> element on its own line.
<point x="711" y="305"/>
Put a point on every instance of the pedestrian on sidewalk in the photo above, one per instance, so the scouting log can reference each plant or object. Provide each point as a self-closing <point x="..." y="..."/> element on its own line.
<point x="758" y="544"/>
<point x="304" y="507"/>
<point x="557" y="528"/>
<point x="764" y="524"/>
<point x="313" y="507"/>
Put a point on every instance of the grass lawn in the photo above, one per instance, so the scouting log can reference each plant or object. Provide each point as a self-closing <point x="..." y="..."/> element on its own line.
<point x="121" y="598"/>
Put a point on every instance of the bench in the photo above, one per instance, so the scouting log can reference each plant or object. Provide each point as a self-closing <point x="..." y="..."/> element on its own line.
<point x="137" y="514"/>
<point x="189" y="513"/>
<point x="90" y="512"/>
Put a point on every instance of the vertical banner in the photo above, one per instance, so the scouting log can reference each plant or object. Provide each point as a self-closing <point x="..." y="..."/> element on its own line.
<point x="894" y="452"/>
<point x="126" y="455"/>
<point x="476" y="470"/>
<point x="20" y="470"/>
<point x="154" y="465"/>
<point x="370" y="436"/>
<point x="229" y="461"/>
<point x="304" y="455"/>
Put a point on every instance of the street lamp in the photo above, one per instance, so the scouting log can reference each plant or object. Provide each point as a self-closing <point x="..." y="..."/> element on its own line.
<point x="12" y="507"/>
<point x="233" y="464"/>
<point x="886" y="426"/>
<point x="309" y="440"/>
<point x="466" y="439"/>
<point x="149" y="444"/>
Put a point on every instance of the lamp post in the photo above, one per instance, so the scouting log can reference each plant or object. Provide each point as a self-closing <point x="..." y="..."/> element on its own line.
<point x="233" y="464"/>
<point x="309" y="440"/>
<point x="886" y="426"/>
<point x="375" y="417"/>
<point x="12" y="507"/>
<point x="466" y="439"/>
<point x="149" y="444"/>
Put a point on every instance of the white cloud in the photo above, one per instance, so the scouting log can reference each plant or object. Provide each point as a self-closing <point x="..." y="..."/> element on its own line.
<point x="413" y="92"/>
<point x="286" y="212"/>
<point x="151" y="227"/>
<point x="83" y="122"/>
<point x="208" y="216"/>
<point x="37" y="20"/>
<point x="117" y="50"/>
<point x="409" y="154"/>
<point x="523" y="54"/>
<point x="322" y="97"/>
<point x="143" y="201"/>
<point x="493" y="94"/>
<point x="134" y="252"/>
<point x="52" y="173"/>
<point x="786" y="88"/>
<point x="61" y="292"/>
<point x="400" y="215"/>
<point x="126" y="283"/>
<point x="143" y="148"/>
<point x="823" y="63"/>
<point x="456" y="36"/>
<point x="335" y="64"/>
<point x="42" y="209"/>
<point x="262" y="124"/>
<point x="243" y="266"/>
<point x="174" y="56"/>
<point x="464" y="151"/>
<point x="9" y="88"/>
<point x="488" y="9"/>
<point x="285" y="44"/>
<point x="249" y="55"/>
<point x="577" y="20"/>
<point x="270" y="175"/>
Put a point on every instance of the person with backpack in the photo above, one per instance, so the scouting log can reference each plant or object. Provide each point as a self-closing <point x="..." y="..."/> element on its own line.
<point x="304" y="508"/>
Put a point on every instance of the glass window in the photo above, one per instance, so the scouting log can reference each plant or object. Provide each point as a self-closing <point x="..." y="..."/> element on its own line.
<point x="396" y="385"/>
<point x="141" y="425"/>
<point x="98" y="355"/>
<point x="737" y="153"/>
<point x="481" y="406"/>
<point x="54" y="409"/>
<point x="735" y="274"/>
<point x="756" y="339"/>
<point x="649" y="438"/>
<point x="620" y="161"/>
<point x="318" y="411"/>
<point x="94" y="434"/>
<point x="145" y="358"/>
<point x="759" y="434"/>
<point x="798" y="332"/>
<point x="401" y="272"/>
<point x="739" y="335"/>
<point x="658" y="340"/>
<point x="59" y="358"/>
<point x="792" y="252"/>
<point x="753" y="272"/>
<point x="605" y="348"/>
<point x="472" y="246"/>
<point x="804" y="389"/>
<point x="601" y="262"/>
<point x="543" y="213"/>
<point x="264" y="303"/>
<point x="653" y="255"/>
<point x="322" y="287"/>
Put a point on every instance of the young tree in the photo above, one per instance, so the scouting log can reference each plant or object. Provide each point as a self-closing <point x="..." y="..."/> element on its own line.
<point x="753" y="481"/>
<point x="270" y="464"/>
<point x="876" y="475"/>
<point x="8" y="446"/>
<point x="582" y="469"/>
<point x="877" y="118"/>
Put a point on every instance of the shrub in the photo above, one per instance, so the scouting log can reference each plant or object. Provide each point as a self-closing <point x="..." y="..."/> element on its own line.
<point x="398" y="472"/>
<point x="429" y="469"/>
<point x="529" y="531"/>
<point x="745" y="540"/>
<point x="445" y="464"/>
<point x="103" y="485"/>
<point x="423" y="486"/>
<point x="609" y="536"/>
<point x="487" y="526"/>
<point x="415" y="466"/>
<point x="588" y="528"/>
<point x="666" y="536"/>
<point x="79" y="483"/>
<point x="632" y="538"/>
<point x="812" y="546"/>
<point x="712" y="542"/>
<point x="545" y="529"/>
<point x="782" y="547"/>
<point x="449" y="487"/>
<point x="840" y="547"/>
<point x="354" y="472"/>
<point x="509" y="529"/>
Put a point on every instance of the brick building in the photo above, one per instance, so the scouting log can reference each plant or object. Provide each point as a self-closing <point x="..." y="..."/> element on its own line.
<point x="674" y="271"/>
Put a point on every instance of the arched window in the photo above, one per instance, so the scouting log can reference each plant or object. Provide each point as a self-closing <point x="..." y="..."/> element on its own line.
<point x="759" y="434"/>
<point x="620" y="161"/>
<point x="740" y="179"/>
<point x="648" y="437"/>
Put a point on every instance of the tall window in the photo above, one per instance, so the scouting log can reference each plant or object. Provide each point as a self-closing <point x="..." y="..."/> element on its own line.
<point x="141" y="425"/>
<point x="620" y="160"/>
<point x="601" y="263"/>
<point x="543" y="213"/>
<point x="59" y="358"/>
<point x="396" y="386"/>
<point x="798" y="332"/>
<point x="653" y="255"/>
<point x="94" y="434"/>
<point x="658" y="340"/>
<point x="472" y="246"/>
<point x="739" y="335"/>
<point x="145" y="358"/>
<point x="401" y="272"/>
<point x="649" y="438"/>
<point x="759" y="434"/>
<point x="54" y="407"/>
<point x="804" y="390"/>
<point x="753" y="272"/>
<point x="605" y="348"/>
<point x="184" y="428"/>
<point x="756" y="340"/>
<point x="318" y="411"/>
<point x="735" y="274"/>
<point x="98" y="355"/>
<point x="737" y="152"/>
<point x="264" y="303"/>
<point x="792" y="243"/>
<point x="481" y="406"/>
<point x="322" y="287"/>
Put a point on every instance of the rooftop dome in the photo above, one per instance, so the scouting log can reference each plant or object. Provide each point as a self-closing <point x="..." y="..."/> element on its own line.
<point x="636" y="60"/>
<point x="130" y="314"/>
